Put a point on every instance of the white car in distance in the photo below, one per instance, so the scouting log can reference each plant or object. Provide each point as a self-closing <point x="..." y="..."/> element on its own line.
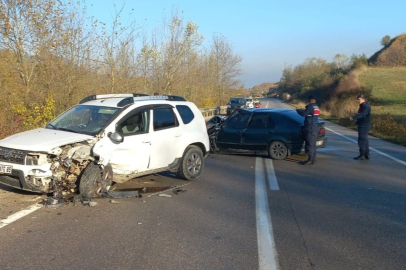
<point x="250" y="103"/>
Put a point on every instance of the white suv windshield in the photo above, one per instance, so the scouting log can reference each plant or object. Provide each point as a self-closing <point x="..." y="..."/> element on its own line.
<point x="84" y="119"/>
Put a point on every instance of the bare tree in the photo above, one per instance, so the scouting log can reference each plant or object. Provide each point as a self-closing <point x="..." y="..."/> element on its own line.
<point x="117" y="44"/>
<point x="32" y="31"/>
<point x="177" y="46"/>
<point x="341" y="61"/>
<point x="226" y="65"/>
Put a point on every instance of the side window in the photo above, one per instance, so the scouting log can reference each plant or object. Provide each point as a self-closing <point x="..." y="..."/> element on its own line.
<point x="135" y="124"/>
<point x="270" y="123"/>
<point x="164" y="118"/>
<point x="238" y="120"/>
<point x="258" y="121"/>
<point x="185" y="113"/>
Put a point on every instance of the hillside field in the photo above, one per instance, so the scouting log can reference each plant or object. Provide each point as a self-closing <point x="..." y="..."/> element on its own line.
<point x="388" y="88"/>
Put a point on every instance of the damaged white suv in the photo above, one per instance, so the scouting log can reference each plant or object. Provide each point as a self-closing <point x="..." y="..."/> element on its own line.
<point x="107" y="138"/>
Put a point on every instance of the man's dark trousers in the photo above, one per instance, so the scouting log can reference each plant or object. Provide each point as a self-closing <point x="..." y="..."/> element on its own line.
<point x="310" y="136"/>
<point x="363" y="141"/>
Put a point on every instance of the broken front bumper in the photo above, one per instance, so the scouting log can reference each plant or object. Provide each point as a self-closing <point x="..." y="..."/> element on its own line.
<point x="17" y="180"/>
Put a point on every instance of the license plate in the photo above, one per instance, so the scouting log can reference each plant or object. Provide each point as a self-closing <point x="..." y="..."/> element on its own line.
<point x="6" y="169"/>
<point x="319" y="143"/>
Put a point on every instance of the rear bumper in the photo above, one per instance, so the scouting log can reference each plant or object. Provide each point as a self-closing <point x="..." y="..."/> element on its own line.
<point x="321" y="143"/>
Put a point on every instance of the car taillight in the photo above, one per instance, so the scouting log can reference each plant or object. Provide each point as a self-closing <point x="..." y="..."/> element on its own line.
<point x="323" y="131"/>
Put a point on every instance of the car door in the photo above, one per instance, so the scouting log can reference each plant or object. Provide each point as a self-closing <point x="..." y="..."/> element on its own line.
<point x="259" y="131"/>
<point x="230" y="132"/>
<point x="133" y="155"/>
<point x="165" y="137"/>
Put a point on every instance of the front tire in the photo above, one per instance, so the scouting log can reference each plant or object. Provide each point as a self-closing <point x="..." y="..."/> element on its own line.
<point x="95" y="181"/>
<point x="192" y="163"/>
<point x="277" y="150"/>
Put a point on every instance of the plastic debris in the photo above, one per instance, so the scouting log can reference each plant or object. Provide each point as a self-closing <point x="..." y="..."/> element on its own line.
<point x="177" y="191"/>
<point x="113" y="201"/>
<point x="92" y="204"/>
<point x="122" y="194"/>
<point x="165" y="195"/>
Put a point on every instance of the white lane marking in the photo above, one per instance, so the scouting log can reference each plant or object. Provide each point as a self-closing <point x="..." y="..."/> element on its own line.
<point x="267" y="255"/>
<point x="20" y="214"/>
<point x="371" y="148"/>
<point x="273" y="182"/>
<point x="325" y="149"/>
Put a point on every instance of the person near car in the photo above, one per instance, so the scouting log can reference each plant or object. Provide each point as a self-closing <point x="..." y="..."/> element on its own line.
<point x="310" y="130"/>
<point x="363" y="118"/>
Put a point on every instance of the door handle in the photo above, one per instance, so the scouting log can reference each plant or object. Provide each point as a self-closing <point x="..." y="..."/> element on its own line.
<point x="270" y="131"/>
<point x="147" y="142"/>
<point x="178" y="135"/>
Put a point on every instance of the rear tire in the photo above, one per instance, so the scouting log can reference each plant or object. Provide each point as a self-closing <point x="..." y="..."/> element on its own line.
<point x="277" y="150"/>
<point x="192" y="163"/>
<point x="95" y="181"/>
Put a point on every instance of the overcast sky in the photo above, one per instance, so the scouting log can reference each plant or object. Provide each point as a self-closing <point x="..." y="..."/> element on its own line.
<point x="272" y="34"/>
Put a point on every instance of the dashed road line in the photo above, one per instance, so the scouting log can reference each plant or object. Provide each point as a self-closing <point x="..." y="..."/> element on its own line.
<point x="371" y="148"/>
<point x="273" y="182"/>
<point x="267" y="255"/>
<point x="20" y="214"/>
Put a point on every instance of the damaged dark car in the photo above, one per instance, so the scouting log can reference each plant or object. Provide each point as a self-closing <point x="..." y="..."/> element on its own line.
<point x="275" y="132"/>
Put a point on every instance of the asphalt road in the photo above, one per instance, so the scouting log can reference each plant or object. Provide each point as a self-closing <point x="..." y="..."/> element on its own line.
<point x="245" y="212"/>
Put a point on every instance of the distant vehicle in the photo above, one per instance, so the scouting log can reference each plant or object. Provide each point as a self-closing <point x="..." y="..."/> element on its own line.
<point x="249" y="103"/>
<point x="236" y="103"/>
<point x="277" y="132"/>
<point x="257" y="105"/>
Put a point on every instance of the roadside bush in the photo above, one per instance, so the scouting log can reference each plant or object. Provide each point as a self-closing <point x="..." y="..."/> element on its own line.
<point x="386" y="127"/>
<point x="34" y="115"/>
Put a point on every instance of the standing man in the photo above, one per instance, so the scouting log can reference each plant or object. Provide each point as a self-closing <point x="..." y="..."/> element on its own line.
<point x="311" y="129"/>
<point x="363" y="118"/>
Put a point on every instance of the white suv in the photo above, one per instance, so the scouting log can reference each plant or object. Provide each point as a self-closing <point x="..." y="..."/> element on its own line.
<point x="107" y="138"/>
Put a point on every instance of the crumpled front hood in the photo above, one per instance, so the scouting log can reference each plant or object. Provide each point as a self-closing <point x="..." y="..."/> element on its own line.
<point x="42" y="139"/>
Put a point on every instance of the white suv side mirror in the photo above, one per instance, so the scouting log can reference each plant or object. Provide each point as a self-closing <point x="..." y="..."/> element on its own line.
<point x="116" y="137"/>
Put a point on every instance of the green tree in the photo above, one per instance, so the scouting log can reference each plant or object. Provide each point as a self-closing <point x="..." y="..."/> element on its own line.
<point x="385" y="41"/>
<point x="358" y="60"/>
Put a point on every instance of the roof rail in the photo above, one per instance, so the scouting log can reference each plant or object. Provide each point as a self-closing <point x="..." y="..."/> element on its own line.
<point x="95" y="97"/>
<point x="175" y="98"/>
<point x="131" y="98"/>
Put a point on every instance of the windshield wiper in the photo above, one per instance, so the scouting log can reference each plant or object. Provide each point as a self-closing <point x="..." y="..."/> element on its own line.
<point x="52" y="126"/>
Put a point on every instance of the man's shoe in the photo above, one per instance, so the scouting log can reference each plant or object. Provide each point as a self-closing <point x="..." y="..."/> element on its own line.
<point x="367" y="155"/>
<point x="360" y="157"/>
<point x="309" y="162"/>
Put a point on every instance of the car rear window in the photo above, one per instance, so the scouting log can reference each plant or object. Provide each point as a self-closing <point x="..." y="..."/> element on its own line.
<point x="289" y="116"/>
<point x="185" y="113"/>
<point x="237" y="100"/>
<point x="164" y="118"/>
